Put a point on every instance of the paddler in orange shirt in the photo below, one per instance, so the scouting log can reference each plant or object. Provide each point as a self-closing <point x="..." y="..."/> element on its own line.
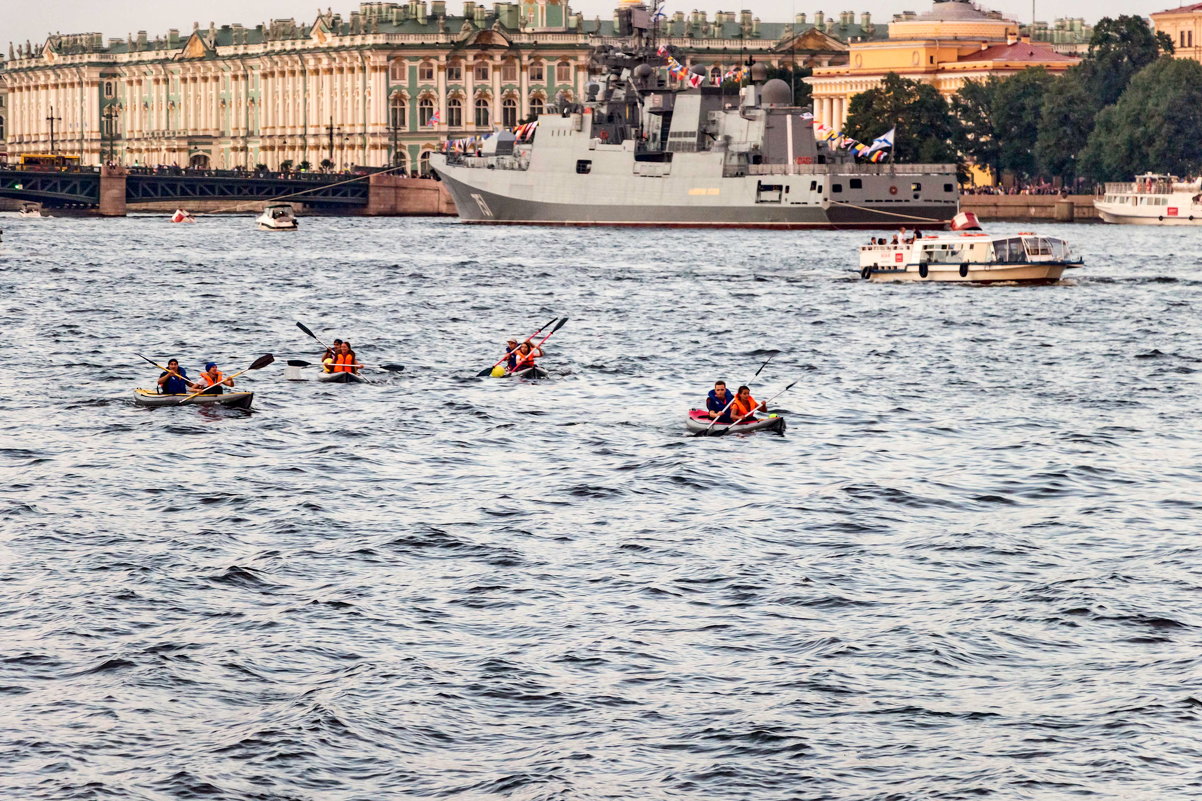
<point x="745" y="405"/>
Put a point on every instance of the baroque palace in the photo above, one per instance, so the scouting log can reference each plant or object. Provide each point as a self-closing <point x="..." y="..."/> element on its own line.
<point x="382" y="86"/>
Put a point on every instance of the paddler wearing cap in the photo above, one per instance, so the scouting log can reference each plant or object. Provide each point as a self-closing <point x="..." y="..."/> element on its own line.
<point x="213" y="380"/>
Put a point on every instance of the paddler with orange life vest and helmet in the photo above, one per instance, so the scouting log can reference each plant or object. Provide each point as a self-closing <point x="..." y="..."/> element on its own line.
<point x="344" y="359"/>
<point x="717" y="402"/>
<point x="525" y="356"/>
<point x="327" y="358"/>
<point x="213" y="380"/>
<point x="744" y="406"/>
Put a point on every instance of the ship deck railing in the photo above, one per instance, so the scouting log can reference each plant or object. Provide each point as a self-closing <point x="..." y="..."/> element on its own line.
<point x="1138" y="188"/>
<point x="841" y="169"/>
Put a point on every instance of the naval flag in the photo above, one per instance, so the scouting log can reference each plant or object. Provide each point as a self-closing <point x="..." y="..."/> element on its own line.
<point x="883" y="142"/>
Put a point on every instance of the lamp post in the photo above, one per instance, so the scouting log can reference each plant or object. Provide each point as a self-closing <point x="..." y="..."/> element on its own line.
<point x="52" y="119"/>
<point x="331" y="130"/>
<point x="109" y="133"/>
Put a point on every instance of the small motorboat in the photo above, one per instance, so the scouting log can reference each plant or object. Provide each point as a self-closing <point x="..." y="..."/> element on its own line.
<point x="233" y="400"/>
<point x="277" y="217"/>
<point x="699" y="421"/>
<point x="341" y="378"/>
<point x="966" y="255"/>
<point x="182" y="216"/>
<point x="30" y="210"/>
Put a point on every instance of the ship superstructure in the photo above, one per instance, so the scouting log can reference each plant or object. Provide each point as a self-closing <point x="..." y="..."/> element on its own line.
<point x="640" y="152"/>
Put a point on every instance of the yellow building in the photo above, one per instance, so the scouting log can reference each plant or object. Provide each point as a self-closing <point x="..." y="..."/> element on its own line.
<point x="1184" y="26"/>
<point x="946" y="46"/>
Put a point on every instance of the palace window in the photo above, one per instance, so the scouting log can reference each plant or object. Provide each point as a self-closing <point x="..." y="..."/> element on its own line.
<point x="716" y="76"/>
<point x="401" y="159"/>
<point x="425" y="72"/>
<point x="425" y="162"/>
<point x="425" y="110"/>
<point x="108" y="89"/>
<point x="563" y="72"/>
<point x="509" y="112"/>
<point x="509" y="71"/>
<point x="455" y="113"/>
<point x="482" y="112"/>
<point x="536" y="72"/>
<point x="398" y="113"/>
<point x="536" y="105"/>
<point x="454" y="71"/>
<point x="481" y="71"/>
<point x="1" y="129"/>
<point x="396" y="70"/>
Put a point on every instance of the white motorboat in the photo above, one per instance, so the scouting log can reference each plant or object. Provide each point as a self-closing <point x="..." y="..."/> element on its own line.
<point x="30" y="210"/>
<point x="277" y="217"/>
<point x="969" y="256"/>
<point x="1153" y="199"/>
<point x="182" y="216"/>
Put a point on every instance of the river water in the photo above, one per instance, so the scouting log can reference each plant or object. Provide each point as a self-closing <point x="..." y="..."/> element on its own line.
<point x="969" y="568"/>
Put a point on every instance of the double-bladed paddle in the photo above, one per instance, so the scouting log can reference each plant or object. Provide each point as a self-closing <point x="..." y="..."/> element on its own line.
<point x="257" y="364"/>
<point x="164" y="369"/>
<point x="732" y="398"/>
<point x="727" y="430"/>
<point x="392" y="368"/>
<point x="488" y="370"/>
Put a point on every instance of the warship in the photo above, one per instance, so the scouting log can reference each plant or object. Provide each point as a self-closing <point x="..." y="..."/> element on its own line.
<point x="640" y="152"/>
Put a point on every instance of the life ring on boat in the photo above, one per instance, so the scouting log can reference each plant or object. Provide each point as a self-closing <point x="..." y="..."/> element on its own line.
<point x="923" y="271"/>
<point x="963" y="270"/>
<point x="893" y="190"/>
<point x="867" y="271"/>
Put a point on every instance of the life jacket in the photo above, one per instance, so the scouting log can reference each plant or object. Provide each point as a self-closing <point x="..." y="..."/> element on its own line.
<point x="343" y="362"/>
<point x="211" y="382"/>
<point x="173" y="385"/>
<point x="740" y="409"/>
<point x="523" y="362"/>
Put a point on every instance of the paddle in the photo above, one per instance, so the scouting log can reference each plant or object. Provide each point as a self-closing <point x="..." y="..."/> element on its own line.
<point x="749" y="414"/>
<point x="258" y="363"/>
<point x="392" y="368"/>
<point x="306" y="329"/>
<point x="488" y="370"/>
<point x="558" y="326"/>
<point x="165" y="370"/>
<point x="706" y="433"/>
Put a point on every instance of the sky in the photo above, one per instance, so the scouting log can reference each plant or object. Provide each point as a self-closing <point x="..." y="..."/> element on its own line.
<point x="116" y="18"/>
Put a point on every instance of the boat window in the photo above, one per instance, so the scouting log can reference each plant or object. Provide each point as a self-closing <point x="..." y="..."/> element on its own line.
<point x="915" y="187"/>
<point x="1009" y="251"/>
<point x="1037" y="246"/>
<point x="813" y="186"/>
<point x="836" y="187"/>
<point x="583" y="167"/>
<point x="856" y="183"/>
<point x="949" y="188"/>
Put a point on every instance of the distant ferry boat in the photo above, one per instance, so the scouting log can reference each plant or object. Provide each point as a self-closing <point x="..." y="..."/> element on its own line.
<point x="1153" y="199"/>
<point x="638" y="152"/>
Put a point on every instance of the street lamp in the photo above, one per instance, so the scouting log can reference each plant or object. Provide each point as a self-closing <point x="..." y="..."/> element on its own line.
<point x="109" y="133"/>
<point x="52" y="119"/>
<point x="331" y="130"/>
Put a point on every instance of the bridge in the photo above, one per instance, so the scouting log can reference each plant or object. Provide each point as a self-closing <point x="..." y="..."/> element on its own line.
<point x="110" y="190"/>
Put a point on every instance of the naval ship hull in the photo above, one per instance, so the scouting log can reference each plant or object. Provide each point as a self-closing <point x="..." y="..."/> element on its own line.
<point x="494" y="197"/>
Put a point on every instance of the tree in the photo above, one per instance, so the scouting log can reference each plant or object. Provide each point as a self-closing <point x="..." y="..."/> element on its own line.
<point x="976" y="135"/>
<point x="923" y="121"/>
<point x="1065" y="123"/>
<point x="1153" y="127"/>
<point x="1017" y="105"/>
<point x="1119" y="48"/>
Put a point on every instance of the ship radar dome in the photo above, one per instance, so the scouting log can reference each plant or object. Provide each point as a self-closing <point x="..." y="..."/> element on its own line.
<point x="643" y="71"/>
<point x="776" y="93"/>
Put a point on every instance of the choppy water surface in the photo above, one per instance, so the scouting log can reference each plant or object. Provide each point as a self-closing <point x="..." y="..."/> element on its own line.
<point x="970" y="568"/>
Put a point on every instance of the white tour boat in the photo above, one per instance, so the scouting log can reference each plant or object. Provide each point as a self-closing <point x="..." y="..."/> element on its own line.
<point x="969" y="256"/>
<point x="1153" y="199"/>
<point x="30" y="210"/>
<point x="277" y="217"/>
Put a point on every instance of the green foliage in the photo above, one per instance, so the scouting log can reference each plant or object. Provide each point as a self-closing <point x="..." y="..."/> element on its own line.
<point x="1119" y="48"/>
<point x="1065" y="122"/>
<point x="976" y="135"/>
<point x="924" y="122"/>
<point x="1155" y="125"/>
<point x="1017" y="106"/>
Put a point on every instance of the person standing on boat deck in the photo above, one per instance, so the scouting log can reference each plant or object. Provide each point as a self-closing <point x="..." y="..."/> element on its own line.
<point x="175" y="380"/>
<point x="525" y="356"/>
<point x="745" y="405"/>
<point x="327" y="358"/>
<point x="344" y="360"/>
<point x="717" y="402"/>
<point x="213" y="380"/>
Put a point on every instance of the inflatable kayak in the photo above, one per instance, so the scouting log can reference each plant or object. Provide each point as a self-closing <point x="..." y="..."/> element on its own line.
<point x="699" y="420"/>
<point x="530" y="372"/>
<point x="234" y="400"/>
<point x="341" y="378"/>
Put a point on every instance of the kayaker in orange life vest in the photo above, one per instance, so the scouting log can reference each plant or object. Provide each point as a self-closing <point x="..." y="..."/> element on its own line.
<point x="525" y="356"/>
<point x="344" y="360"/>
<point x="213" y="380"/>
<point x="745" y="405"/>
